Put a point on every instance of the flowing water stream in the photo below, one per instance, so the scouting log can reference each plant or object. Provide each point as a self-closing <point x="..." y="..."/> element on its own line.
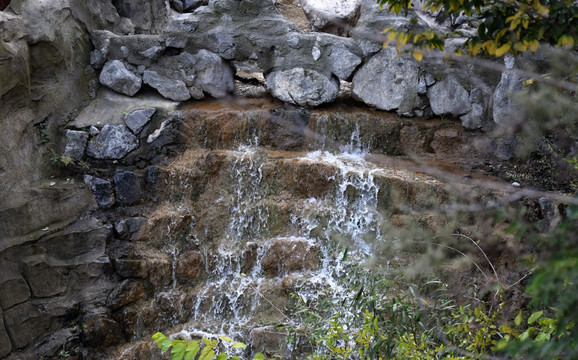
<point x="264" y="221"/>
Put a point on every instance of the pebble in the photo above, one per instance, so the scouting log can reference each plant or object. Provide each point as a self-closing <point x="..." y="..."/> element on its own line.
<point x="516" y="184"/>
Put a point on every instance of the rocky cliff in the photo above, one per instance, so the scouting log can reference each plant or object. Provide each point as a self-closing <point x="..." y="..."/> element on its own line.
<point x="99" y="97"/>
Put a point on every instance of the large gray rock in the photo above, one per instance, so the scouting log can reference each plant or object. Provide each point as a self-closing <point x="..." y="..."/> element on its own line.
<point x="75" y="144"/>
<point x="449" y="97"/>
<point x="11" y="279"/>
<point x="506" y="110"/>
<point x="30" y="320"/>
<point x="137" y="119"/>
<point x="303" y="87"/>
<point x="112" y="143"/>
<point x="116" y="76"/>
<point x="323" y="14"/>
<point x="212" y="74"/>
<point x="388" y="82"/>
<point x="5" y="344"/>
<point x="44" y="279"/>
<point x="169" y="88"/>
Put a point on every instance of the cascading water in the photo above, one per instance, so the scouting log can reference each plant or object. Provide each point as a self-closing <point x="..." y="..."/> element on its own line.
<point x="271" y="234"/>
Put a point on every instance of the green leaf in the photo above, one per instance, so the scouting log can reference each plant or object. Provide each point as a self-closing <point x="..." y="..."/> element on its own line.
<point x="207" y="353"/>
<point x="542" y="337"/>
<point x="193" y="348"/>
<point x="178" y="351"/>
<point x="222" y="356"/>
<point x="158" y="336"/>
<point x="239" y="345"/>
<point x="236" y="358"/>
<point x="165" y="344"/>
<point x="226" y="339"/>
<point x="535" y="316"/>
<point x="259" y="356"/>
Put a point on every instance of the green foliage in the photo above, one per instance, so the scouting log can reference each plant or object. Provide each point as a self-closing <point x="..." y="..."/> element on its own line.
<point x="188" y="350"/>
<point x="514" y="26"/>
<point x="397" y="319"/>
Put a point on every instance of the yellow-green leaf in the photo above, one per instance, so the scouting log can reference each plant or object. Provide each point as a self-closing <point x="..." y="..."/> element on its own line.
<point x="226" y="339"/>
<point x="239" y="345"/>
<point x="535" y="316"/>
<point x="418" y="55"/>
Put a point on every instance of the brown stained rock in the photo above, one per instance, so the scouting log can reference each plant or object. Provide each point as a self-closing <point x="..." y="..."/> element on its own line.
<point x="249" y="258"/>
<point x="310" y="179"/>
<point x="447" y="141"/>
<point x="290" y="254"/>
<point x="125" y="293"/>
<point x="99" y="331"/>
<point x="5" y="344"/>
<point x="189" y="266"/>
<point x="270" y="340"/>
<point x="412" y="140"/>
<point x="11" y="279"/>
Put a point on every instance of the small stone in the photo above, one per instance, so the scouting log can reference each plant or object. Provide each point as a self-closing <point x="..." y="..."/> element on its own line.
<point x="112" y="143"/>
<point x="128" y="187"/>
<point x="151" y="52"/>
<point x="137" y="119"/>
<point x="75" y="144"/>
<point x="169" y="88"/>
<point x="516" y="184"/>
<point x="116" y="76"/>
<point x="102" y="191"/>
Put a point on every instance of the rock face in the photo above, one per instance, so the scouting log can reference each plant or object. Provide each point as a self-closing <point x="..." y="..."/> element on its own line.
<point x="303" y="87"/>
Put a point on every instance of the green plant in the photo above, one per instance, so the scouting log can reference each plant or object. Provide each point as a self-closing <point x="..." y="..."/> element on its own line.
<point x="206" y="349"/>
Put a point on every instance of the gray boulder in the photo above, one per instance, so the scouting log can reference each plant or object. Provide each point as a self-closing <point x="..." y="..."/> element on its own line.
<point x="75" y="144"/>
<point x="448" y="97"/>
<point x="137" y="119"/>
<point x="102" y="191"/>
<point x="169" y="88"/>
<point x="303" y="87"/>
<point x="113" y="142"/>
<point x="388" y="82"/>
<point x="323" y="14"/>
<point x="116" y="76"/>
<point x="212" y="74"/>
